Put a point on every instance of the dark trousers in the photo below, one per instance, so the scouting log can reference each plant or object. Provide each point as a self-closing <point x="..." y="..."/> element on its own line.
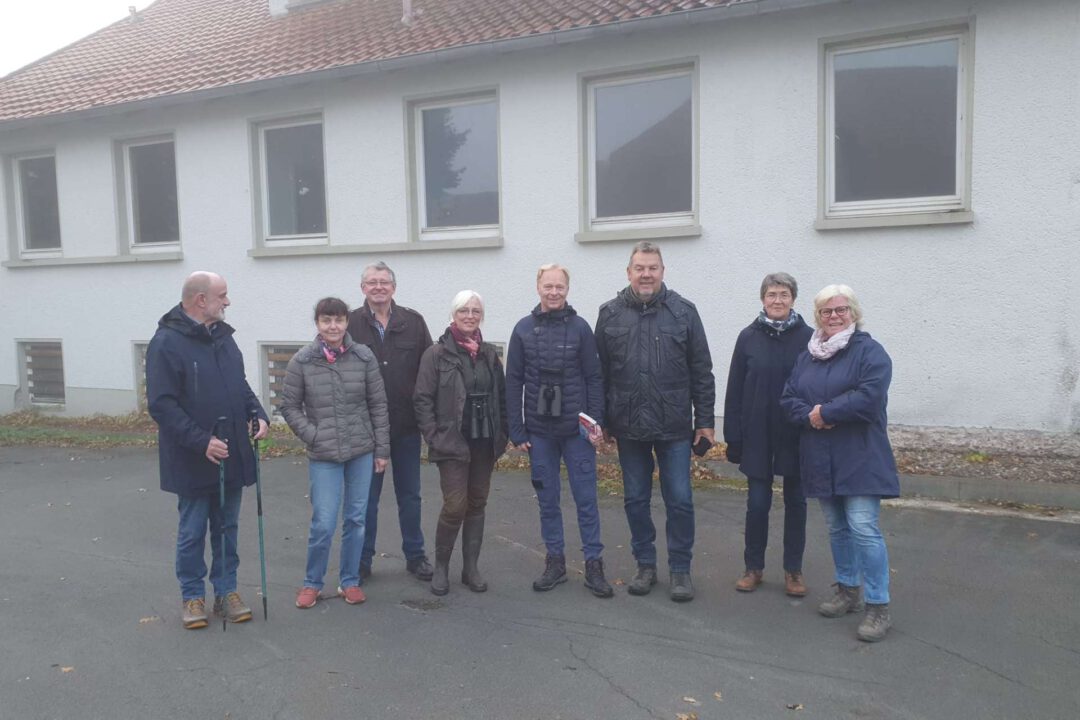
<point x="465" y="484"/>
<point x="758" y="504"/>
<point x="405" y="471"/>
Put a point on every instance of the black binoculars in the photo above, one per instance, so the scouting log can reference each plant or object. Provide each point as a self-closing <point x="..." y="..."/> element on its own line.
<point x="549" y="400"/>
<point x="479" y="419"/>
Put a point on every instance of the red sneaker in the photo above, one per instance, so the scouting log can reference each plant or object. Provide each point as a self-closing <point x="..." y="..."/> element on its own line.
<point x="306" y="598"/>
<point x="352" y="594"/>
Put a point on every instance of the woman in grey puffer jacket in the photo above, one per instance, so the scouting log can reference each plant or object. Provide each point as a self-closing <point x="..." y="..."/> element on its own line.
<point x="335" y="403"/>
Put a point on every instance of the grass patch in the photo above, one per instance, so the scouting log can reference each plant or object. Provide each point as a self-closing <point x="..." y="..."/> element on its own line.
<point x="977" y="457"/>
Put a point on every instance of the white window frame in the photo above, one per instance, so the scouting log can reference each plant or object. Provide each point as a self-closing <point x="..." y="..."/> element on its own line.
<point x="129" y="195"/>
<point x="652" y="221"/>
<point x="898" y="211"/>
<point x="20" y="216"/>
<point x="264" y="191"/>
<point x="25" y="374"/>
<point x="419" y="184"/>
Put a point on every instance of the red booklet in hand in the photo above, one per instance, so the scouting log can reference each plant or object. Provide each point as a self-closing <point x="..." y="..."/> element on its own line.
<point x="589" y="428"/>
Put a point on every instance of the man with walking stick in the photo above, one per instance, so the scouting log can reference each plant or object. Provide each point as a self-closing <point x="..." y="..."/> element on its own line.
<point x="194" y="376"/>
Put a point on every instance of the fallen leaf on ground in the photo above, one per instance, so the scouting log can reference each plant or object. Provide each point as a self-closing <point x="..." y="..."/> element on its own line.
<point x="619" y="581"/>
<point x="794" y="706"/>
<point x="692" y="701"/>
<point x="686" y="716"/>
<point x="66" y="669"/>
<point x="148" y="619"/>
<point x="718" y="695"/>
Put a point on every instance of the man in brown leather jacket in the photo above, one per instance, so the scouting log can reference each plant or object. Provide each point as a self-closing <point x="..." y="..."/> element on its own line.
<point x="398" y="336"/>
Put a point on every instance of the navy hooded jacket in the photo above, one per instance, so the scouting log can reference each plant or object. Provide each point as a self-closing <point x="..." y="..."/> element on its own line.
<point x="556" y="346"/>
<point x="854" y="457"/>
<point x="194" y="375"/>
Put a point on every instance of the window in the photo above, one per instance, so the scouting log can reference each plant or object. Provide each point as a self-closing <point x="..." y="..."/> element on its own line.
<point x="896" y="126"/>
<point x="43" y="372"/>
<point x="150" y="178"/>
<point x="640" y="150"/>
<point x="37" y="211"/>
<point x="276" y="358"/>
<point x="293" y="180"/>
<point x="455" y="152"/>
<point x="139" y="349"/>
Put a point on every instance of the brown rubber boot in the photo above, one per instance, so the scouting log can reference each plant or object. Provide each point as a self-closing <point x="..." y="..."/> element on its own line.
<point x="445" y="537"/>
<point x="472" y="537"/>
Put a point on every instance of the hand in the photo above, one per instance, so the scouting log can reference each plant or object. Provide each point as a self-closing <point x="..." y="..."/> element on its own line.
<point x="264" y="429"/>
<point x="525" y="446"/>
<point x="707" y="433"/>
<point x="217" y="450"/>
<point x="596" y="436"/>
<point x="380" y="465"/>
<point x="816" y="421"/>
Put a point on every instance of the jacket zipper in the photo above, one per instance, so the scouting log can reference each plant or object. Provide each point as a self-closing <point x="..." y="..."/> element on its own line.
<point x="657" y="338"/>
<point x="196" y="364"/>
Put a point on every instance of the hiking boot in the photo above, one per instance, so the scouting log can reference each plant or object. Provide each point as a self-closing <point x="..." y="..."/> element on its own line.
<point x="682" y="587"/>
<point x="418" y="566"/>
<point x="594" y="579"/>
<point x="352" y="594"/>
<point x="643" y="580"/>
<point x="875" y="623"/>
<point x="794" y="585"/>
<point x="194" y="614"/>
<point x="232" y="607"/>
<point x="554" y="573"/>
<point x="846" y="600"/>
<point x="749" y="581"/>
<point x="307" y="597"/>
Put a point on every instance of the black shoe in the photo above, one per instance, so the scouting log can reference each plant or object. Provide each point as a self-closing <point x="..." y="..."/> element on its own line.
<point x="420" y="567"/>
<point x="594" y="579"/>
<point x="644" y="579"/>
<point x="682" y="587"/>
<point x="554" y="573"/>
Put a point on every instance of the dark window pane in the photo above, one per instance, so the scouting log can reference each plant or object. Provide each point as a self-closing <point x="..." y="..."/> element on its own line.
<point x="153" y="193"/>
<point x="40" y="205"/>
<point x="461" y="166"/>
<point x="296" y="186"/>
<point x="895" y="121"/>
<point x="644" y="147"/>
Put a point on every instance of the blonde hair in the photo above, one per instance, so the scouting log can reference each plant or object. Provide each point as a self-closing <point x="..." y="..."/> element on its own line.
<point x="828" y="292"/>
<point x="552" y="266"/>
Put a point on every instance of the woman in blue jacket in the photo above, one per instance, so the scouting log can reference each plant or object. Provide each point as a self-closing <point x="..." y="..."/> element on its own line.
<point x="838" y="393"/>
<point x="759" y="438"/>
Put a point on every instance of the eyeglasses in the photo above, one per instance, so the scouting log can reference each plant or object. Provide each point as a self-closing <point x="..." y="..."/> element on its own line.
<point x="841" y="311"/>
<point x="469" y="311"/>
<point x="378" y="283"/>
<point x="778" y="295"/>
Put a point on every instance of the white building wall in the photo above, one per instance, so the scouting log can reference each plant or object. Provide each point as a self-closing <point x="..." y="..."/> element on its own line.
<point x="978" y="318"/>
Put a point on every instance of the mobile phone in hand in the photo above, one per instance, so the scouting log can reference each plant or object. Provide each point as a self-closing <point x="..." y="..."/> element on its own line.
<point x="702" y="446"/>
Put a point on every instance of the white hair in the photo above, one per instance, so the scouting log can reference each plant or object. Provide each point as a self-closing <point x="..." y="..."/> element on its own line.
<point x="462" y="299"/>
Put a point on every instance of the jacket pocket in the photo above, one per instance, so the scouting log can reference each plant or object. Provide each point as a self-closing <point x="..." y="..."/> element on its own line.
<point x="673" y="349"/>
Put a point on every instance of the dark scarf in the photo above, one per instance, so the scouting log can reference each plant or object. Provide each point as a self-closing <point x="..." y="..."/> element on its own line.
<point x="469" y="343"/>
<point x="331" y="354"/>
<point x="776" y="327"/>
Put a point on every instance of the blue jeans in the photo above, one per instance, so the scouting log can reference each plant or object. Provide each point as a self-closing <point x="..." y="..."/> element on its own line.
<point x="580" y="456"/>
<point x="858" y="548"/>
<point x="195" y="514"/>
<point x="405" y="463"/>
<point x="758" y="503"/>
<point x="636" y="461"/>
<point x="330" y="482"/>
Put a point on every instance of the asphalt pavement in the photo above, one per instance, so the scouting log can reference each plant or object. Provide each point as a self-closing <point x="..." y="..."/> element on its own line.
<point x="985" y="608"/>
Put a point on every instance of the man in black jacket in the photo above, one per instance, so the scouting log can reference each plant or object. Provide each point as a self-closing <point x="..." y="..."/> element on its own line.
<point x="398" y="336"/>
<point x="195" y="375"/>
<point x="659" y="394"/>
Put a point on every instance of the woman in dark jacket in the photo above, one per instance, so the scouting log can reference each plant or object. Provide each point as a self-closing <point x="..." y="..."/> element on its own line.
<point x="838" y="393"/>
<point x="553" y="375"/>
<point x="335" y="403"/>
<point x="759" y="438"/>
<point x="461" y="413"/>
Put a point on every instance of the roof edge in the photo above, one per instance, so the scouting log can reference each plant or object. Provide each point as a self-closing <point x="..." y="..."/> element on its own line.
<point x="459" y="52"/>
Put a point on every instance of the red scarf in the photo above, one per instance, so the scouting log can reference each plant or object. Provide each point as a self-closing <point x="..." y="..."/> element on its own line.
<point x="471" y="343"/>
<point x="331" y="354"/>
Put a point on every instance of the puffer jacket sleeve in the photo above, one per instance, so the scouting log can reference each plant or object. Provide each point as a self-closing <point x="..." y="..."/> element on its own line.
<point x="292" y="404"/>
<point x="796" y="409"/>
<point x="427" y="384"/>
<point x="515" y="384"/>
<point x="377" y="408"/>
<point x="702" y="382"/>
<point x="864" y="402"/>
<point x="590" y="371"/>
<point x="164" y="389"/>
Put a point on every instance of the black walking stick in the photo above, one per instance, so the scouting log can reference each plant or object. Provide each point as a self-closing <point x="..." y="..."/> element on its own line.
<point x="218" y="427"/>
<point x="258" y="499"/>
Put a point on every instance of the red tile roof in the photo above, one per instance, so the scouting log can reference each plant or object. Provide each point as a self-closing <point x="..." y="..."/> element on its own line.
<point x="180" y="46"/>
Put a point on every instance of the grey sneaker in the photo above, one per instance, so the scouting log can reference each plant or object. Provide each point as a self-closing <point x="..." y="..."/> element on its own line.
<point x="875" y="624"/>
<point x="554" y="573"/>
<point x="194" y="614"/>
<point x="643" y="580"/>
<point x="846" y="600"/>
<point x="595" y="580"/>
<point x="682" y="587"/>
<point x="232" y="607"/>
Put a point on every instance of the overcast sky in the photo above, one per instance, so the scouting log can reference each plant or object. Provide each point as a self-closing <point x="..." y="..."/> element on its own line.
<point x="31" y="29"/>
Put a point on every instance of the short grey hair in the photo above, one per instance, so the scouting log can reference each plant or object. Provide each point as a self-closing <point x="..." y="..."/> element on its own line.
<point x="647" y="247"/>
<point x="462" y="299"/>
<point x="828" y="292"/>
<point x="378" y="267"/>
<point x="780" y="279"/>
